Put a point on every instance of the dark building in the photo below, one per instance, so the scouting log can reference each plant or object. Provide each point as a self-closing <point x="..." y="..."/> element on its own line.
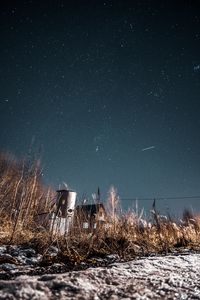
<point x="90" y="216"/>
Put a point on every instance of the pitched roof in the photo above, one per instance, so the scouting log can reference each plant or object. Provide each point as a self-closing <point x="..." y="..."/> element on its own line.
<point x="90" y="208"/>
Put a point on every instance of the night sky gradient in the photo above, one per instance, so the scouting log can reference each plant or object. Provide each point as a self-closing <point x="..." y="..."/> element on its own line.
<point x="92" y="84"/>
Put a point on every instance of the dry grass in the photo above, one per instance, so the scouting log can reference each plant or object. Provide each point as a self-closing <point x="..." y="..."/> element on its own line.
<point x="23" y="197"/>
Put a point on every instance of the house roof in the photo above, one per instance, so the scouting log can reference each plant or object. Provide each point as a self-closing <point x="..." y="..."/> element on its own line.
<point x="90" y="208"/>
<point x="64" y="191"/>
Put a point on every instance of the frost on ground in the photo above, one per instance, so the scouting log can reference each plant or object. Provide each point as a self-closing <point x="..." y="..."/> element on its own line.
<point x="164" y="277"/>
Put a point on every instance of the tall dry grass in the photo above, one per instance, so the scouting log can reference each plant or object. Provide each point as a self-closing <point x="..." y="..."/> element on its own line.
<point x="23" y="197"/>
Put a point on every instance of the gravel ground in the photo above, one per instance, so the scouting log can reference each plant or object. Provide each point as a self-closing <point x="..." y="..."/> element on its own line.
<point x="164" y="277"/>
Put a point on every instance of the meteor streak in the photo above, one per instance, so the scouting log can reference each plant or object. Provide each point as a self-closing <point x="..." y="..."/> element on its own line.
<point x="148" y="148"/>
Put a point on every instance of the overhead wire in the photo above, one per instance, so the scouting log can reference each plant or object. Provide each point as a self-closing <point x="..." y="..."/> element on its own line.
<point x="160" y="198"/>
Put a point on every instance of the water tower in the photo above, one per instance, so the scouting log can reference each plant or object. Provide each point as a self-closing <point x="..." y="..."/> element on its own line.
<point x="62" y="216"/>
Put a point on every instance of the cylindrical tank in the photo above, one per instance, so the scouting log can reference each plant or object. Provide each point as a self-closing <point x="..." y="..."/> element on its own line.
<point x="65" y="203"/>
<point x="61" y="219"/>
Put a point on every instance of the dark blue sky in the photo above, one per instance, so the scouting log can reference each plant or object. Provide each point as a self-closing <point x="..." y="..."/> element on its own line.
<point x="94" y="83"/>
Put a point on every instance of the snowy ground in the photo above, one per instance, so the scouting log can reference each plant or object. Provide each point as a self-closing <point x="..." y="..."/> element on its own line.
<point x="164" y="277"/>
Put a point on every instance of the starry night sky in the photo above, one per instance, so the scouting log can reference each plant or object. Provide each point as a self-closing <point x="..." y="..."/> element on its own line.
<point x="108" y="91"/>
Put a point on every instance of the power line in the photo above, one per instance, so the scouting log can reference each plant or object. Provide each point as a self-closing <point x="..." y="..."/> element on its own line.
<point x="160" y="198"/>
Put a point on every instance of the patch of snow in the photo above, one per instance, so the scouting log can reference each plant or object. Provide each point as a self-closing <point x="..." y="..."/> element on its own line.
<point x="164" y="277"/>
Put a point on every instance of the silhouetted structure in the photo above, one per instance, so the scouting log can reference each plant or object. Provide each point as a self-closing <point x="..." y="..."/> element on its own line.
<point x="90" y="216"/>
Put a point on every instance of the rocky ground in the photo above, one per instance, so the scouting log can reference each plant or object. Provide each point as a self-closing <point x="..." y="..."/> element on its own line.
<point x="164" y="277"/>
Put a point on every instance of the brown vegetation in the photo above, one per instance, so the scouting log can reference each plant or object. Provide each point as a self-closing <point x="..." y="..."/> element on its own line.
<point x="23" y="197"/>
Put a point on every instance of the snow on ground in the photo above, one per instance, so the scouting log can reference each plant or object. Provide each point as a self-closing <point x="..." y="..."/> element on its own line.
<point x="164" y="277"/>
